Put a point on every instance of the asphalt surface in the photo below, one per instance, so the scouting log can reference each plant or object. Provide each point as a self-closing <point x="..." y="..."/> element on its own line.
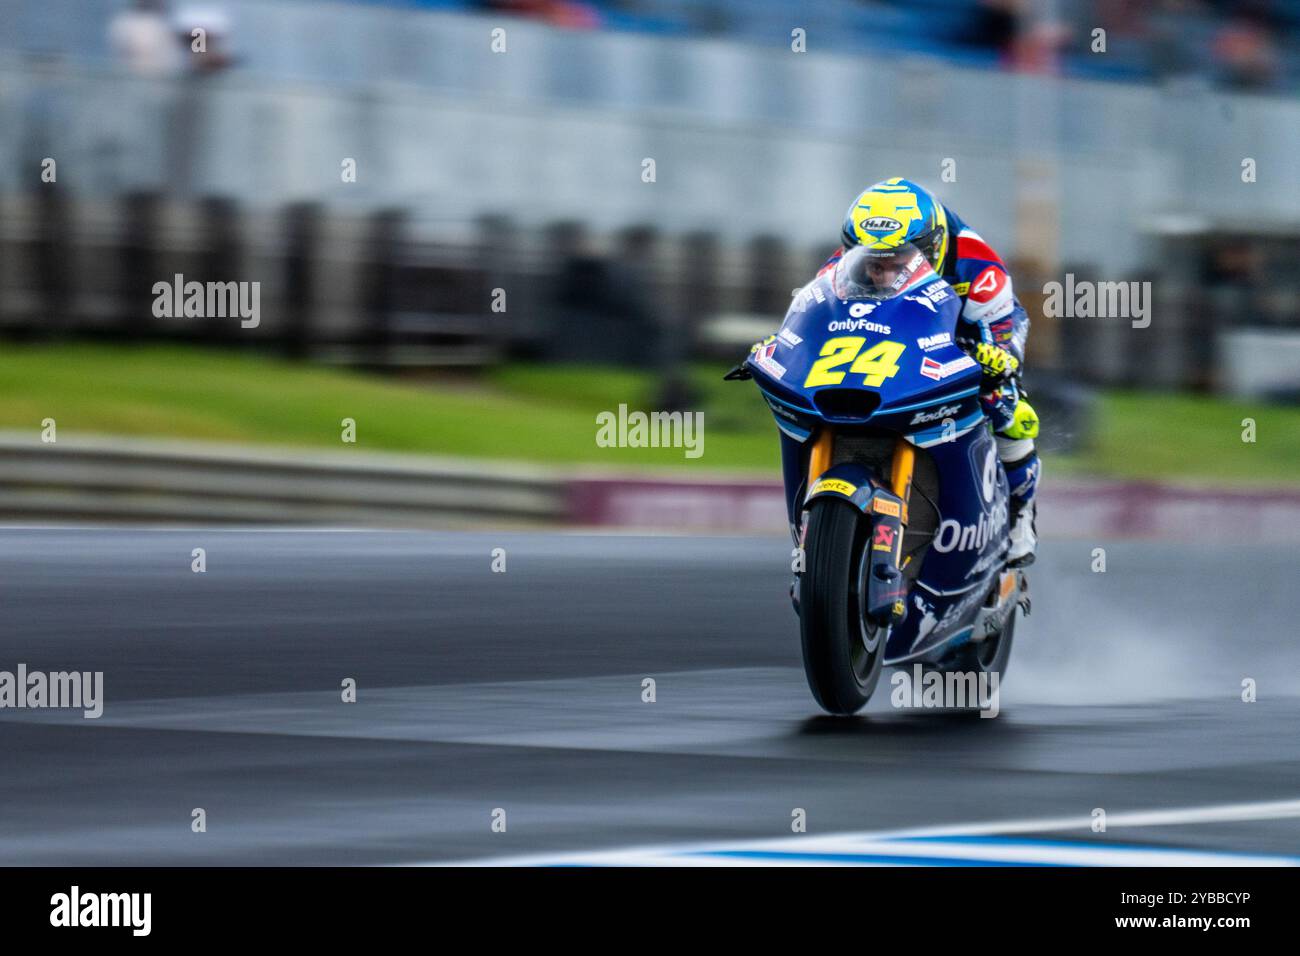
<point x="522" y="691"/>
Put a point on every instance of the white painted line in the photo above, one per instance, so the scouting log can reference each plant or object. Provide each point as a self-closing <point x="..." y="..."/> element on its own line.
<point x="904" y="843"/>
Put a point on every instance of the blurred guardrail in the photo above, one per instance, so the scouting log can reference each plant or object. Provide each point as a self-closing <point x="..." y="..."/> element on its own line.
<point x="110" y="480"/>
<point x="116" y="479"/>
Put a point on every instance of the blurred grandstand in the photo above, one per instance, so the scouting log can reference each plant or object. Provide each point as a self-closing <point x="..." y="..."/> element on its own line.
<point x="1242" y="44"/>
<point x="521" y="168"/>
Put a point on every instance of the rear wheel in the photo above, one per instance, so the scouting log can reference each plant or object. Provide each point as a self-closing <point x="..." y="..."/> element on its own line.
<point x="842" y="652"/>
<point x="989" y="656"/>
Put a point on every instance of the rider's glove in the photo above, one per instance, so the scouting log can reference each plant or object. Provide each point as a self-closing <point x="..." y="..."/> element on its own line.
<point x="998" y="364"/>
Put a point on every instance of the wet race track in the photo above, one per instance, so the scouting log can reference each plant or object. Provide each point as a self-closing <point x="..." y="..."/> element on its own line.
<point x="523" y="691"/>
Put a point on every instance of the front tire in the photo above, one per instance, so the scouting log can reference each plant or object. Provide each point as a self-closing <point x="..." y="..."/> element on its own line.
<point x="842" y="653"/>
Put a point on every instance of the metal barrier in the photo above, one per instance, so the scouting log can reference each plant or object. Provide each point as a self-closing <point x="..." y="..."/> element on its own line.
<point x="127" y="480"/>
<point x="119" y="480"/>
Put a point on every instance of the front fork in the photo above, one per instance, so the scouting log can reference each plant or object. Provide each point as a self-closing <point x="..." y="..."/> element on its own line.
<point x="881" y="585"/>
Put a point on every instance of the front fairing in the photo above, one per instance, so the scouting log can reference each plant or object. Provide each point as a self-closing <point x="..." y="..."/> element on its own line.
<point x="891" y="364"/>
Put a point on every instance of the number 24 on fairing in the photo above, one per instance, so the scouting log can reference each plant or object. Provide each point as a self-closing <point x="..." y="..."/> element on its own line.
<point x="877" y="363"/>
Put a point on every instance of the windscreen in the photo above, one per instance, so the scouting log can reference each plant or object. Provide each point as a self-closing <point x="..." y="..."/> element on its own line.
<point x="879" y="274"/>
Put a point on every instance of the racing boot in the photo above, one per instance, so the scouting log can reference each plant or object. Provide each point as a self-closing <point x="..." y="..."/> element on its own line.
<point x="1022" y="465"/>
<point x="1024" y="537"/>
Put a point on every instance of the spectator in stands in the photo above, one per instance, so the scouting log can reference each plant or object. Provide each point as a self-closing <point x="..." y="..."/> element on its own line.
<point x="209" y="51"/>
<point x="142" y="39"/>
<point x="1244" y="51"/>
<point x="560" y="13"/>
<point x="992" y="26"/>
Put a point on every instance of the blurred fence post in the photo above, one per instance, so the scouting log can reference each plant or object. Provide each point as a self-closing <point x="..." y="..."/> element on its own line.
<point x="643" y="283"/>
<point x="302" y="235"/>
<point x="5" y="216"/>
<point x="639" y="278"/>
<point x="53" y="258"/>
<point x="497" y="250"/>
<point x="700" y="284"/>
<point x="380" y="277"/>
<point x="141" y="212"/>
<point x="769" y="278"/>
<point x="1080" y="359"/>
<point x="220" y="257"/>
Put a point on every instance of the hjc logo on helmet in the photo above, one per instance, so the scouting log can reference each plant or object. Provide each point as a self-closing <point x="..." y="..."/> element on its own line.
<point x="880" y="224"/>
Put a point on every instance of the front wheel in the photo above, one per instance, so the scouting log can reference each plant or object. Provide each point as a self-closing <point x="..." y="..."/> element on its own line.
<point x="842" y="652"/>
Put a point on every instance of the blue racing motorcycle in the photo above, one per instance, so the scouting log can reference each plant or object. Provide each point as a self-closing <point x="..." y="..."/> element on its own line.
<point x="895" y="496"/>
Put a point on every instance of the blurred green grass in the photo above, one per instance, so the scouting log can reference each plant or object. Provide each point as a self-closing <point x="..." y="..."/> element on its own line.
<point x="546" y="414"/>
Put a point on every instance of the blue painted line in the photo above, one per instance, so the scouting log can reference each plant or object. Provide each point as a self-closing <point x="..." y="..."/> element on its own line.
<point x="974" y="840"/>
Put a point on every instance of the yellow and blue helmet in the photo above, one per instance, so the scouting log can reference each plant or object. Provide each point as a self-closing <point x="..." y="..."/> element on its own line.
<point x="895" y="212"/>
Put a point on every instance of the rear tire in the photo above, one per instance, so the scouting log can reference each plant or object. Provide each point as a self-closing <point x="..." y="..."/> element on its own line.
<point x="989" y="656"/>
<point x="842" y="654"/>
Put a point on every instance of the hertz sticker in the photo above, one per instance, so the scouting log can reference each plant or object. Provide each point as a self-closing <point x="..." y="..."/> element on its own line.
<point x="834" y="484"/>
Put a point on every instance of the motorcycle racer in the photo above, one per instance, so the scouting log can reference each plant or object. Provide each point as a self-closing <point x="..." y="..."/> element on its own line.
<point x="992" y="327"/>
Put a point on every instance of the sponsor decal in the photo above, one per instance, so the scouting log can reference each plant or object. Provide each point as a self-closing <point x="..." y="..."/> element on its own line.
<point x="929" y="343"/>
<point x="940" y="370"/>
<point x="860" y="325"/>
<point x="763" y="359"/>
<point x="923" y="300"/>
<point x="984" y="563"/>
<point x="781" y="410"/>
<point x="989" y="474"/>
<point x="833" y="484"/>
<point x="805" y="297"/>
<point x="930" y="624"/>
<point x="954" y="536"/>
<point x="880" y="224"/>
<point x="937" y="414"/>
<point x="789" y="338"/>
<point x="883" y="506"/>
<point x="938" y="292"/>
<point x="858" y="309"/>
<point x="884" y="539"/>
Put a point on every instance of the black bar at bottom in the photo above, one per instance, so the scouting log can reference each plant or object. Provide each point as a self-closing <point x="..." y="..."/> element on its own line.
<point x="434" y="904"/>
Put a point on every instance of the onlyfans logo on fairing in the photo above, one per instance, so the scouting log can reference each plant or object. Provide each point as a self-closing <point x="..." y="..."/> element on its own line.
<point x="955" y="536"/>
